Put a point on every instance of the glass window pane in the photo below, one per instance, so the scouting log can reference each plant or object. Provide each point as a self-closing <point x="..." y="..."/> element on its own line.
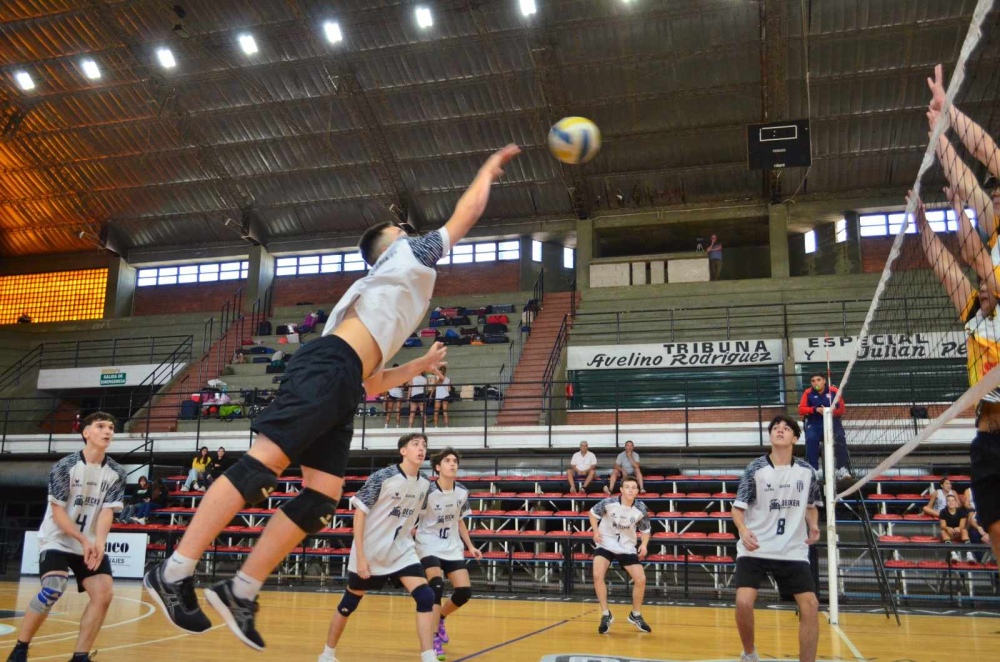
<point x="167" y="280"/>
<point x="873" y="231"/>
<point x="354" y="262"/>
<point x="567" y="258"/>
<point x="168" y="271"/>
<point x="486" y="252"/>
<point x="229" y="275"/>
<point x="146" y="282"/>
<point x="190" y="269"/>
<point x="308" y="259"/>
<point x="229" y="266"/>
<point x="509" y="245"/>
<point x="188" y="278"/>
<point x="286" y="262"/>
<point x="147" y="273"/>
<point x="210" y="268"/>
<point x="244" y="273"/>
<point x="461" y="254"/>
<point x="331" y="268"/>
<point x="332" y="259"/>
<point x="244" y="264"/>
<point x="896" y="222"/>
<point x="509" y="250"/>
<point x="841" y="229"/>
<point x="285" y="271"/>
<point x="208" y="277"/>
<point x="810" y="241"/>
<point x="536" y="251"/>
<point x="308" y="269"/>
<point x="446" y="259"/>
<point x="936" y="219"/>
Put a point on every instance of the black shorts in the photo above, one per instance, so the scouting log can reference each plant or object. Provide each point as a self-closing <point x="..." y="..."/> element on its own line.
<point x="376" y="582"/>
<point x="984" y="455"/>
<point x="793" y="577"/>
<point x="53" y="560"/>
<point x="312" y="416"/>
<point x="446" y="566"/>
<point x="624" y="560"/>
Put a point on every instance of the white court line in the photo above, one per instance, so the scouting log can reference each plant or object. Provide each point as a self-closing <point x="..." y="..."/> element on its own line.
<point x="847" y="640"/>
<point x="60" y="636"/>
<point x="62" y="656"/>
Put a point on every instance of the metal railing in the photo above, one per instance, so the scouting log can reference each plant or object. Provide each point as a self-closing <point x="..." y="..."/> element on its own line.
<point x="523" y="322"/>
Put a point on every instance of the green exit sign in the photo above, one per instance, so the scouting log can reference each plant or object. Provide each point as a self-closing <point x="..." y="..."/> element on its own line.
<point x="113" y="379"/>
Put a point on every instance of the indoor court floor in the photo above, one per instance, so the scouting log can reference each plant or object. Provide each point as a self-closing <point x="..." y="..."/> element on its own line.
<point x="294" y="624"/>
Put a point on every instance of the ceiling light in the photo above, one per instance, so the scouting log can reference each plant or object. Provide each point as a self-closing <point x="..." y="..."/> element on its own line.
<point x="248" y="44"/>
<point x="166" y="58"/>
<point x="528" y="7"/>
<point x="24" y="80"/>
<point x="90" y="69"/>
<point x="424" y="18"/>
<point x="332" y="31"/>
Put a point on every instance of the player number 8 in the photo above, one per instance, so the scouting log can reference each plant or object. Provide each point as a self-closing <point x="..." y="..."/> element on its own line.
<point x="781" y="526"/>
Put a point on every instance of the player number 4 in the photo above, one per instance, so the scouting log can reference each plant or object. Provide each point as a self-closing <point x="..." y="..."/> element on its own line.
<point x="781" y="526"/>
<point x="82" y="521"/>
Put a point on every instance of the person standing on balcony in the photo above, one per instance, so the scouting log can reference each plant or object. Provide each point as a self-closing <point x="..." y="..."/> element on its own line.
<point x="714" y="251"/>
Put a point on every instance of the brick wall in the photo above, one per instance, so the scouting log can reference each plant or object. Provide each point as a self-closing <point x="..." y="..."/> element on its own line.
<point x="186" y="298"/>
<point x="875" y="251"/>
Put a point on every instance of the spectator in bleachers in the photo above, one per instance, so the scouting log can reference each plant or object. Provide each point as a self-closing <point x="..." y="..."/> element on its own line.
<point x="954" y="524"/>
<point x="938" y="500"/>
<point x="135" y="497"/>
<point x="394" y="401"/>
<point x="442" y="391"/>
<point x="197" y="472"/>
<point x="25" y="318"/>
<point x="583" y="463"/>
<point x="626" y="464"/>
<point x="815" y="401"/>
<point x="160" y="495"/>
<point x="977" y="534"/>
<point x="218" y="467"/>
<point x="418" y="399"/>
<point x="714" y="251"/>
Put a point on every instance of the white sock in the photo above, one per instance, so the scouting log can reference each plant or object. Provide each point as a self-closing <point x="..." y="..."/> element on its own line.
<point x="328" y="654"/>
<point x="179" y="567"/>
<point x="607" y="612"/>
<point x="245" y="586"/>
<point x="636" y="613"/>
<point x="428" y="656"/>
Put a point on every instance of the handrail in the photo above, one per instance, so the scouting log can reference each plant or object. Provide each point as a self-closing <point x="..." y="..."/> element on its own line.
<point x="550" y="367"/>
<point x="515" y="349"/>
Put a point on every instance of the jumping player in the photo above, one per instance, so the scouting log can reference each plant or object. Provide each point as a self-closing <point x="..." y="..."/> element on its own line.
<point x="311" y="419"/>
<point x="442" y="538"/>
<point x="386" y="510"/>
<point x="615" y="521"/>
<point x="86" y="489"/>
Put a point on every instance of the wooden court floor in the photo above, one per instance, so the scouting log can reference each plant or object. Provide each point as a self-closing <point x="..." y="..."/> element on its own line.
<point x="294" y="625"/>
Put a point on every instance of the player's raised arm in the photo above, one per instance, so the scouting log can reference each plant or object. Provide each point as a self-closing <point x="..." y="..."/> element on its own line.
<point x="472" y="204"/>
<point x="945" y="266"/>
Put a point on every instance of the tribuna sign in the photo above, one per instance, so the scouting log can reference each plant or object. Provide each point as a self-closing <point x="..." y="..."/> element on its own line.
<point x="706" y="353"/>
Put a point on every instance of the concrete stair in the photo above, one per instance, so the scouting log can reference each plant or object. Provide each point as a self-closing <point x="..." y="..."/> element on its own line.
<point x="523" y="400"/>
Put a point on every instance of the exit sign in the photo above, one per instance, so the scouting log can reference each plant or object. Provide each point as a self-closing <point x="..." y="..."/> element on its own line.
<point x="113" y="379"/>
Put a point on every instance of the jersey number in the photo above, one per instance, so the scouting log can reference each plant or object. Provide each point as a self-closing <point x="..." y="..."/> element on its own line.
<point x="82" y="521"/>
<point x="396" y="534"/>
<point x="443" y="534"/>
<point x="781" y="526"/>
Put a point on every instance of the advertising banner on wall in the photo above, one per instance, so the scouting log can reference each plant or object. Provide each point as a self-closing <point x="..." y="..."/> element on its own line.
<point x="700" y="354"/>
<point x="881" y="347"/>
<point x="126" y="553"/>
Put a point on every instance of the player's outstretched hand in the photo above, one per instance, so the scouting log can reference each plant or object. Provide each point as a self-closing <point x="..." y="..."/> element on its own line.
<point x="749" y="540"/>
<point x="813" y="535"/>
<point x="434" y="359"/>
<point x="364" y="570"/>
<point x="494" y="165"/>
<point x="920" y="213"/>
<point x="937" y="89"/>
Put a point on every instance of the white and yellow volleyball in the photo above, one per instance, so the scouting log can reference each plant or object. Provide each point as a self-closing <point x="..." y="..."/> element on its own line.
<point x="574" y="140"/>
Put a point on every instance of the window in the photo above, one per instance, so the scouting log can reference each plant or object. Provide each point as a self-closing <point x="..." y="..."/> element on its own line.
<point x="147" y="277"/>
<point x="841" y="229"/>
<point x="461" y="254"/>
<point x="193" y="273"/>
<point x="188" y="274"/>
<point x="567" y="258"/>
<point x="167" y="276"/>
<point x="486" y="252"/>
<point x="509" y="250"/>
<point x="286" y="266"/>
<point x="445" y="259"/>
<point x="309" y="264"/>
<point x="873" y="225"/>
<point x="354" y="262"/>
<point x="332" y="264"/>
<point x="536" y="251"/>
<point x="208" y="273"/>
<point x="810" y="242"/>
<point x="937" y="219"/>
<point x="896" y="222"/>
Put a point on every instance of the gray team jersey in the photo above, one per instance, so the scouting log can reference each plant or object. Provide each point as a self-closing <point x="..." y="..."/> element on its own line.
<point x="437" y="532"/>
<point x="620" y="523"/>
<point x="392" y="502"/>
<point x="775" y="500"/>
<point x="84" y="490"/>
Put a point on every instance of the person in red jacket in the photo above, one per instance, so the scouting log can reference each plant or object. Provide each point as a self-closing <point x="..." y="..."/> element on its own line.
<point x="815" y="400"/>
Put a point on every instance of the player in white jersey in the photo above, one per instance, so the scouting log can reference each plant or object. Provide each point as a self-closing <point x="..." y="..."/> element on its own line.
<point x="311" y="419"/>
<point x="615" y="522"/>
<point x="776" y="514"/>
<point x="86" y="489"/>
<point x="386" y="510"/>
<point x="442" y="538"/>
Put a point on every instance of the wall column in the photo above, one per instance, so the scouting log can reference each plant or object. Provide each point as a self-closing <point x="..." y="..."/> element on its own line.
<point x="584" y="252"/>
<point x="119" y="294"/>
<point x="778" y="238"/>
<point x="260" y="276"/>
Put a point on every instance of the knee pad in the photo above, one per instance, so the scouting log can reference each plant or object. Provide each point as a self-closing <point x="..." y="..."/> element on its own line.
<point x="53" y="587"/>
<point x="437" y="585"/>
<point x="310" y="510"/>
<point x="423" y="595"/>
<point x="461" y="595"/>
<point x="254" y="481"/>
<point x="348" y="603"/>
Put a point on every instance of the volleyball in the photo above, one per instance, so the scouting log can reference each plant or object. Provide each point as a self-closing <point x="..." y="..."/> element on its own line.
<point x="574" y="140"/>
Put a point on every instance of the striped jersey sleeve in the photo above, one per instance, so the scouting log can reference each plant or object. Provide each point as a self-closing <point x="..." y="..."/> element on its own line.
<point x="815" y="490"/>
<point x="115" y="498"/>
<point x="746" y="495"/>
<point x="465" y="508"/>
<point x="601" y="506"/>
<point x="59" y="479"/>
<point x="644" y="524"/>
<point x="431" y="247"/>
<point x="366" y="497"/>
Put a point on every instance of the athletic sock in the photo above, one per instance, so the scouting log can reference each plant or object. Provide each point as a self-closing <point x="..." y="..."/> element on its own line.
<point x="607" y="612"/>
<point x="636" y="613"/>
<point x="245" y="586"/>
<point x="428" y="656"/>
<point x="179" y="567"/>
<point x="329" y="652"/>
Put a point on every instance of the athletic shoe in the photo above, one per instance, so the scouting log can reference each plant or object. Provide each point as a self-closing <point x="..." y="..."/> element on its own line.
<point x="238" y="613"/>
<point x="843" y="474"/>
<point x="439" y="648"/>
<point x="970" y="557"/>
<point x="185" y="488"/>
<point x="18" y="655"/>
<point x="606" y="621"/>
<point x="636" y="620"/>
<point x="84" y="658"/>
<point x="955" y="558"/>
<point x="752" y="657"/>
<point x="607" y="490"/>
<point x="442" y="633"/>
<point x="177" y="600"/>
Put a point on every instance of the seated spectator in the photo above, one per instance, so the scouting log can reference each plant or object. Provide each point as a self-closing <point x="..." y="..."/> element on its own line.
<point x="218" y="467"/>
<point x="626" y="464"/>
<point x="135" y="496"/>
<point x="938" y="500"/>
<point x="977" y="534"/>
<point x="199" y="469"/>
<point x="584" y="463"/>
<point x="954" y="524"/>
<point x="418" y="398"/>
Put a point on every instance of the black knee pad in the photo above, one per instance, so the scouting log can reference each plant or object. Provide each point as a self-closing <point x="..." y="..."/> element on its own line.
<point x="253" y="480"/>
<point x="423" y="595"/>
<point x="461" y="595"/>
<point x="349" y="603"/>
<point x="437" y="585"/>
<point x="311" y="511"/>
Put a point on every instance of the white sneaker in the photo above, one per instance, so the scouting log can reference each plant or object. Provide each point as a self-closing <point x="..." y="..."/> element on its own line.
<point x="970" y="557"/>
<point x="955" y="558"/>
<point x="326" y="658"/>
<point x="185" y="488"/>
<point x="843" y="473"/>
<point x="752" y="657"/>
<point x="607" y="490"/>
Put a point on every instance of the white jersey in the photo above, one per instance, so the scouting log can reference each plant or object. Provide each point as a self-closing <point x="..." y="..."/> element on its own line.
<point x="437" y="533"/>
<point x="774" y="501"/>
<point x="392" y="502"/>
<point x="619" y="523"/>
<point x="392" y="299"/>
<point x="84" y="490"/>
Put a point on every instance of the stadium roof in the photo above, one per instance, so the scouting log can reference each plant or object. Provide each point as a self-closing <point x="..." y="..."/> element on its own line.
<point x="308" y="139"/>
